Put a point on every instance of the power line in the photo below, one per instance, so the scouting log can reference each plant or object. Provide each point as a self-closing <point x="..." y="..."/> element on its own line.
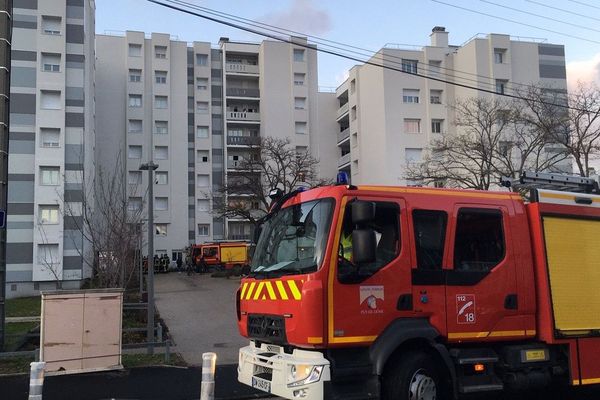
<point x="353" y="58"/>
<point x="516" y="22"/>
<point x="540" y="16"/>
<point x="585" y="4"/>
<point x="563" y="10"/>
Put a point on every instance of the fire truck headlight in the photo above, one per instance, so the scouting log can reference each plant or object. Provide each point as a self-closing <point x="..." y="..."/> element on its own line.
<point x="302" y="374"/>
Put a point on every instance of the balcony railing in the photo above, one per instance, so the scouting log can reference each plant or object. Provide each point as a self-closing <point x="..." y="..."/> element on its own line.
<point x="243" y="115"/>
<point x="239" y="237"/>
<point x="243" y="140"/>
<point x="343" y="135"/>
<point x="344" y="160"/>
<point x="241" y="92"/>
<point x="343" y="110"/>
<point x="241" y="68"/>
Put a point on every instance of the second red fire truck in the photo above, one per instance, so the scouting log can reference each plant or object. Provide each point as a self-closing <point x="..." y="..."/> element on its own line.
<point x="419" y="293"/>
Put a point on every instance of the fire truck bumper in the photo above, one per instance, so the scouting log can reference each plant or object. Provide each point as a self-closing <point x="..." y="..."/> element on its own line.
<point x="300" y="375"/>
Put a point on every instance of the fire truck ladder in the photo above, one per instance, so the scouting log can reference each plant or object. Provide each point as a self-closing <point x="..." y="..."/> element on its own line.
<point x="544" y="180"/>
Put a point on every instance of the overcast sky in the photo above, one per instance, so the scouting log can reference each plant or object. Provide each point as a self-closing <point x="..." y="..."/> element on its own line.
<point x="372" y="24"/>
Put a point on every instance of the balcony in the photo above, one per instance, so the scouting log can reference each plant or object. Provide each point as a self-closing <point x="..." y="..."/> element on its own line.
<point x="243" y="140"/>
<point x="239" y="68"/>
<point x="243" y="116"/>
<point x="343" y="110"/>
<point x="344" y="160"/>
<point x="343" y="135"/>
<point x="239" y="237"/>
<point x="241" y="92"/>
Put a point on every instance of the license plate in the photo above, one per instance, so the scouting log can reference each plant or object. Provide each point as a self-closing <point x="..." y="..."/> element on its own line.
<point x="261" y="384"/>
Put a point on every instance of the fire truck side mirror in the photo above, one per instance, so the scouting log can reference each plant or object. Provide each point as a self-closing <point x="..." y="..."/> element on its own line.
<point x="363" y="212"/>
<point x="364" y="246"/>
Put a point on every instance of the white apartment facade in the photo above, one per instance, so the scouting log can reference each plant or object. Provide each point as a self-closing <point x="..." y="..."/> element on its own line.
<point x="399" y="114"/>
<point x="51" y="143"/>
<point x="196" y="109"/>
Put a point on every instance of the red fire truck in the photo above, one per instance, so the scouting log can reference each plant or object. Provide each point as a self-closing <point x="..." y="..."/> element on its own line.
<point x="443" y="292"/>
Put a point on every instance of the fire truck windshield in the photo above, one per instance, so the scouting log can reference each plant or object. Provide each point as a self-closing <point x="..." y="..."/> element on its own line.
<point x="293" y="240"/>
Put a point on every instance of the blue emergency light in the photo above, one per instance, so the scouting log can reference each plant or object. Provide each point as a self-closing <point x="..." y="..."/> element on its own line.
<point x="342" y="178"/>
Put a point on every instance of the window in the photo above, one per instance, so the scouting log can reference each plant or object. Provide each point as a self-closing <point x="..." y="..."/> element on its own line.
<point x="479" y="243"/>
<point x="50" y="62"/>
<point x="202" y="107"/>
<point x="134" y="177"/>
<point x="135" y="50"/>
<point x="161" y="152"/>
<point x="161" y="203"/>
<point x="412" y="125"/>
<point x="135" y="75"/>
<point x="161" y="102"/>
<point x="387" y="235"/>
<point x="160" y="52"/>
<point x="434" y="67"/>
<point x="160" y="77"/>
<point x="430" y="237"/>
<point x="501" y="86"/>
<point x="161" y="127"/>
<point x="410" y="96"/>
<point x="409" y="66"/>
<point x="499" y="56"/>
<point x="435" y="96"/>
<point x="202" y="180"/>
<point x="134" y="203"/>
<point x="48" y="254"/>
<point x="299" y="55"/>
<point x="50" y="100"/>
<point x="301" y="128"/>
<point x="202" y="156"/>
<point x="202" y="131"/>
<point x="50" y="137"/>
<point x="134" y="126"/>
<point x="299" y="79"/>
<point x="160" y="229"/>
<point x="49" y="175"/>
<point x="413" y="155"/>
<point x="135" y="100"/>
<point x="176" y="255"/>
<point x="504" y="148"/>
<point x="300" y="103"/>
<point x="202" y="83"/>
<point x="48" y="215"/>
<point x="51" y="25"/>
<point x="134" y="151"/>
<point x="202" y="60"/>
<point x="437" y="125"/>
<point x="203" y="229"/>
<point x="162" y="178"/>
<point x="203" y="205"/>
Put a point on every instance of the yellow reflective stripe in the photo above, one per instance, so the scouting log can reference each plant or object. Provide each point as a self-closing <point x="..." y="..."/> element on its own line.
<point x="295" y="292"/>
<point x="281" y="289"/>
<point x="271" y="291"/>
<point x="353" y="339"/>
<point x="244" y="287"/>
<point x="250" y="289"/>
<point x="590" y="381"/>
<point x="258" y="291"/>
<point x="315" y="340"/>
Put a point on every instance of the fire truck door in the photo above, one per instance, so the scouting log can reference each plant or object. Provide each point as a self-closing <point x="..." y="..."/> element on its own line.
<point x="481" y="287"/>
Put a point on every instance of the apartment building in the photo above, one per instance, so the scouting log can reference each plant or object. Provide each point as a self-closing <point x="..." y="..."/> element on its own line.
<point x="399" y="114"/>
<point x="51" y="142"/>
<point x="196" y="110"/>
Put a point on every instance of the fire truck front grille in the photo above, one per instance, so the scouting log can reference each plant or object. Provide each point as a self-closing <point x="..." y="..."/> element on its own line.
<point x="267" y="328"/>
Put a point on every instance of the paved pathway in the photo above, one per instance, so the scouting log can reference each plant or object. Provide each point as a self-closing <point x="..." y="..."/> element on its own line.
<point x="200" y="313"/>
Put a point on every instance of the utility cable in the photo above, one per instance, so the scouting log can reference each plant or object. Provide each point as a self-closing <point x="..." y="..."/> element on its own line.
<point x="562" y="10"/>
<point x="584" y="4"/>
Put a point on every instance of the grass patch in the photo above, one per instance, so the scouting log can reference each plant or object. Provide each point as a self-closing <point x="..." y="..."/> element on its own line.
<point x="24" y="307"/>
<point x="15" y="332"/>
<point x="146" y="360"/>
<point x="15" y="365"/>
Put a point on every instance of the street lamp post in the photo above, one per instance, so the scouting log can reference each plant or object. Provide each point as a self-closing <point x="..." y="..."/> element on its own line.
<point x="150" y="167"/>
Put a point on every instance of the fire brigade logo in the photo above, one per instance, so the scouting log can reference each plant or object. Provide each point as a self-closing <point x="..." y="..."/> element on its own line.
<point x="465" y="309"/>
<point x="369" y="297"/>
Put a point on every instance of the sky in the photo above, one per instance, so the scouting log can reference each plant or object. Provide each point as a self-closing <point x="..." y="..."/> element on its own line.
<point x="372" y="24"/>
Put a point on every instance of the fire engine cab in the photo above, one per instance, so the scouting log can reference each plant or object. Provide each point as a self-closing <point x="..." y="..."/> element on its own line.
<point x="417" y="293"/>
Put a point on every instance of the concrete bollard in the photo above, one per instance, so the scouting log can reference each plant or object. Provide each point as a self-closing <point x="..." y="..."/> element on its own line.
<point x="207" y="391"/>
<point x="36" y="380"/>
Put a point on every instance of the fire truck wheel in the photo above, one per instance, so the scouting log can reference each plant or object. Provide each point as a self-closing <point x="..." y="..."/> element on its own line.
<point x="413" y="376"/>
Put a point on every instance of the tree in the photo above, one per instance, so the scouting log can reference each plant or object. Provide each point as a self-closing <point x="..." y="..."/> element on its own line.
<point x="110" y="225"/>
<point x="272" y="163"/>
